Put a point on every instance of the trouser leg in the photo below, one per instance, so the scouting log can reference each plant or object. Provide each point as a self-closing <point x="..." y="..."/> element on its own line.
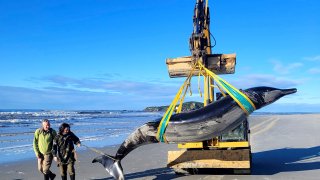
<point x="46" y="164"/>
<point x="52" y="175"/>
<point x="46" y="176"/>
<point x="71" y="170"/>
<point x="73" y="177"/>
<point x="63" y="177"/>
<point x="70" y="167"/>
<point x="40" y="165"/>
<point x="63" y="170"/>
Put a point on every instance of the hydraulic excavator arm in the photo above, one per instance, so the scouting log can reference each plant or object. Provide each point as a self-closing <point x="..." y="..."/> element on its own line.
<point x="200" y="47"/>
<point x="200" y="44"/>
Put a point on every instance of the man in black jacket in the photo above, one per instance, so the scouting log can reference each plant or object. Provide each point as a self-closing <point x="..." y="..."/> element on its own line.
<point x="64" y="152"/>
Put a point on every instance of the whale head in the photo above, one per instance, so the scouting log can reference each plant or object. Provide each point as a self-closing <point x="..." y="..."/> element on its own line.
<point x="263" y="96"/>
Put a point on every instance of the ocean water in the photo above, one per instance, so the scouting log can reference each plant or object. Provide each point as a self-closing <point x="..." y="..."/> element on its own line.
<point x="94" y="128"/>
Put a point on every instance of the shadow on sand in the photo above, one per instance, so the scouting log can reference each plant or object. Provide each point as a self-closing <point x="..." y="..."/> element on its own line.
<point x="286" y="160"/>
<point x="264" y="163"/>
<point x="159" y="173"/>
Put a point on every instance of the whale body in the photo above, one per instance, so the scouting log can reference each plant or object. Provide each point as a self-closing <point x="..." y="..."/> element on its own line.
<point x="198" y="125"/>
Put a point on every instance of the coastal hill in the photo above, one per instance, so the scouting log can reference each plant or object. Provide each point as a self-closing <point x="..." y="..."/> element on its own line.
<point x="187" y="106"/>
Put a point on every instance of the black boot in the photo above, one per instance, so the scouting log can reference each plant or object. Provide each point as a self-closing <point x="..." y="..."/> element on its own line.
<point x="73" y="177"/>
<point x="46" y="176"/>
<point x="64" y="177"/>
<point x="52" y="176"/>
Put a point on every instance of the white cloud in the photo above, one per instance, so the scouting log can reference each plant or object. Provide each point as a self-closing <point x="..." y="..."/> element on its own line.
<point x="314" y="58"/>
<point x="285" y="68"/>
<point x="314" y="71"/>
<point x="132" y="95"/>
<point x="65" y="98"/>
<point x="291" y="107"/>
<point x="147" y="88"/>
<point x="91" y="92"/>
<point x="254" y="80"/>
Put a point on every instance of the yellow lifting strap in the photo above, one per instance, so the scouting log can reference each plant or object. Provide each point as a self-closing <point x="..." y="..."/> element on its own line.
<point x="242" y="100"/>
<point x="166" y="117"/>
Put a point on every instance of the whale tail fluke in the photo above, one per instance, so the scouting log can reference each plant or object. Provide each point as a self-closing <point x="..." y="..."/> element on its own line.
<point x="112" y="165"/>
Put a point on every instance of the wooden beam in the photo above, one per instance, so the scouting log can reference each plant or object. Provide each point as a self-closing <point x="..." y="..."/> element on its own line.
<point x="217" y="63"/>
<point x="209" y="159"/>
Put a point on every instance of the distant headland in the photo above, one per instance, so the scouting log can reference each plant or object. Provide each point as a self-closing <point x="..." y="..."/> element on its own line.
<point x="187" y="106"/>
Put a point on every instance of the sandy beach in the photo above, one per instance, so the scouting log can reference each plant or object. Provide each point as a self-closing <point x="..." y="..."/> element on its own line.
<point x="283" y="147"/>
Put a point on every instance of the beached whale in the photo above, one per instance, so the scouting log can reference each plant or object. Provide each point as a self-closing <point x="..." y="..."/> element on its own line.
<point x="198" y="125"/>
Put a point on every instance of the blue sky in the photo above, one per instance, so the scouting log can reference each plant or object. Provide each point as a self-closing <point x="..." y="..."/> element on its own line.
<point x="109" y="54"/>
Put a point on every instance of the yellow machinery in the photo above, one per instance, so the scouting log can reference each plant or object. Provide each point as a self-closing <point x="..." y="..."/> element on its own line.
<point x="230" y="150"/>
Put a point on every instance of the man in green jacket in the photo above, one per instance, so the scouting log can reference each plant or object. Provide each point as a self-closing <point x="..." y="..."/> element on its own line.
<point x="42" y="146"/>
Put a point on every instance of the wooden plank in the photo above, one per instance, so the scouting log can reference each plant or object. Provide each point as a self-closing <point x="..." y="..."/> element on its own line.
<point x="209" y="159"/>
<point x="190" y="145"/>
<point x="214" y="144"/>
<point x="217" y="63"/>
<point x="231" y="144"/>
<point x="213" y="164"/>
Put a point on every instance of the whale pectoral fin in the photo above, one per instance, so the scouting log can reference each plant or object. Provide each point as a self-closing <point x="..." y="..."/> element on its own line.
<point x="152" y="128"/>
<point x="112" y="166"/>
<point x="151" y="133"/>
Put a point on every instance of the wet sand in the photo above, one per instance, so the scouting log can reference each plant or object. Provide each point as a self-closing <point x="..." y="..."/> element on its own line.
<point x="283" y="147"/>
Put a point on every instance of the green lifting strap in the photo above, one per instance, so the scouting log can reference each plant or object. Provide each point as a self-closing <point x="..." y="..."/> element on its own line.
<point x="163" y="125"/>
<point x="242" y="100"/>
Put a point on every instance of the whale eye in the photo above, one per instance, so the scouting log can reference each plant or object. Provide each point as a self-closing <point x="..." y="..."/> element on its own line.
<point x="257" y="99"/>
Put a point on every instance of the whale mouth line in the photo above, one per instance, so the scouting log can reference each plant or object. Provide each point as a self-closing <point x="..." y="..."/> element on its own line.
<point x="288" y="91"/>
